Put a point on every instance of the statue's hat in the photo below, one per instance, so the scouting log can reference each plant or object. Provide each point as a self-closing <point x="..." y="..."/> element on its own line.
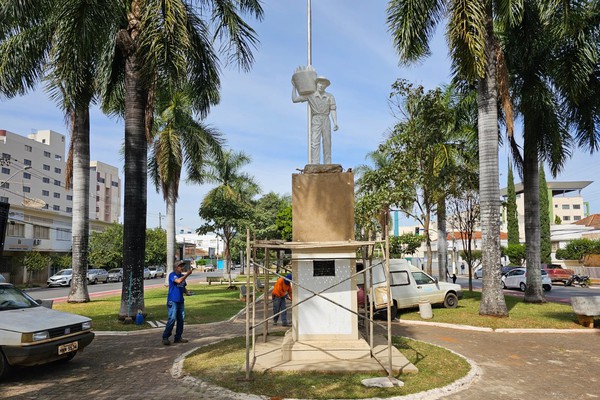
<point x="323" y="79"/>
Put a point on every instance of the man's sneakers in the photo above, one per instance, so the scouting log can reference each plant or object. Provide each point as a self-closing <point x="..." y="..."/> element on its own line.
<point x="166" y="342"/>
<point x="181" y="340"/>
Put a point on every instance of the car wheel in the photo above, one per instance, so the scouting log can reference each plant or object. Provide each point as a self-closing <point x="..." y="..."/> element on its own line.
<point x="451" y="300"/>
<point x="4" y="366"/>
<point x="547" y="288"/>
<point x="523" y="286"/>
<point x="95" y="281"/>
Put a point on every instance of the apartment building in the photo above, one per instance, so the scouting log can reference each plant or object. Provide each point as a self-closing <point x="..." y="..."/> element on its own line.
<point x="566" y="204"/>
<point x="32" y="182"/>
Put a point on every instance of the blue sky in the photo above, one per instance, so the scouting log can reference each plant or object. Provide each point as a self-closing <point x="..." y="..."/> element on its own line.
<point x="351" y="47"/>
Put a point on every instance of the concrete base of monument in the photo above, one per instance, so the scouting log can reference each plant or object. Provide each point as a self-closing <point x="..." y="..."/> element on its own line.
<point x="329" y="357"/>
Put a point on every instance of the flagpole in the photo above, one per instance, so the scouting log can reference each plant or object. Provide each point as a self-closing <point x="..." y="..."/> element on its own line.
<point x="309" y="63"/>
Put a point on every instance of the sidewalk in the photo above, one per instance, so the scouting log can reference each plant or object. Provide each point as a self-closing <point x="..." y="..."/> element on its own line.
<point x="511" y="365"/>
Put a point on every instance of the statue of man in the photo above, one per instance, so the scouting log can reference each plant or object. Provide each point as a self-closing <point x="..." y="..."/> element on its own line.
<point x="322" y="104"/>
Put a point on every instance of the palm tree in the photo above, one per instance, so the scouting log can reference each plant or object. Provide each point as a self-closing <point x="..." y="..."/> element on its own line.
<point x="473" y="49"/>
<point x="229" y="202"/>
<point x="157" y="42"/>
<point x="553" y="56"/>
<point x="60" y="42"/>
<point x="179" y="140"/>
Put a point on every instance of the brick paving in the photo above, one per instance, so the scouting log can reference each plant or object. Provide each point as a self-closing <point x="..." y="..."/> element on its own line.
<point x="137" y="365"/>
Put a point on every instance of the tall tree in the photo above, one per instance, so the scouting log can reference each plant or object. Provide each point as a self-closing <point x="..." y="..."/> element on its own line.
<point x="227" y="208"/>
<point x="165" y="41"/>
<point x="473" y="50"/>
<point x="545" y="242"/>
<point x="62" y="43"/>
<point x="553" y="57"/>
<point x="179" y="141"/>
<point x="512" y="215"/>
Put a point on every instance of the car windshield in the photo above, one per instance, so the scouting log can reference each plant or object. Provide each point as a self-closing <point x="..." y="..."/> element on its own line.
<point x="12" y="298"/>
<point x="65" y="272"/>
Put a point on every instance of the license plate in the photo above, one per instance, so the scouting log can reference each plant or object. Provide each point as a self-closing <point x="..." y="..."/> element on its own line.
<point x="68" y="347"/>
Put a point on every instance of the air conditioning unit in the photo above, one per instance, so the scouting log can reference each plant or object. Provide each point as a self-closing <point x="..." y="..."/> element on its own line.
<point x="36" y="242"/>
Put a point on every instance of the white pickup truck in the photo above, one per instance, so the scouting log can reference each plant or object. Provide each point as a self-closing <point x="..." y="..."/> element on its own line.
<point x="409" y="286"/>
<point x="31" y="334"/>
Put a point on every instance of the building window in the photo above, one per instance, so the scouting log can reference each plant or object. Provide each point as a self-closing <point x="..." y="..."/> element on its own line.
<point x="46" y="180"/>
<point x="45" y="206"/>
<point x="5" y="156"/>
<point x="46" y="167"/>
<point x="28" y="148"/>
<point x="565" y="206"/>
<point x="5" y="170"/>
<point x="47" y="154"/>
<point x="56" y="208"/>
<point x="576" y="218"/>
<point x="56" y="195"/>
<point x="576" y="206"/>
<point x="26" y="175"/>
<point x="27" y="162"/>
<point x="41" y="232"/>
<point x="69" y="209"/>
<point x="97" y="209"/>
<point x="3" y="199"/>
<point x="26" y="189"/>
<point x="5" y="185"/>
<point x="57" y="157"/>
<point x="101" y="180"/>
<point x="114" y="184"/>
<point x="45" y="193"/>
<point x="57" y="182"/>
<point x="70" y="197"/>
<point x="63" y="234"/>
<point x="16" y="230"/>
<point x="566" y="218"/>
<point x="57" y="170"/>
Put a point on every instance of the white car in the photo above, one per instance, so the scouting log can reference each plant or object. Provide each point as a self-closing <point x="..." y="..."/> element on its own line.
<point x="410" y="286"/>
<point x="31" y="334"/>
<point x="61" y="278"/>
<point x="517" y="278"/>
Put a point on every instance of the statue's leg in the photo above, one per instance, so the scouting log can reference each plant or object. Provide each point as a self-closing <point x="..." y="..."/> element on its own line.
<point x="315" y="143"/>
<point x="326" y="147"/>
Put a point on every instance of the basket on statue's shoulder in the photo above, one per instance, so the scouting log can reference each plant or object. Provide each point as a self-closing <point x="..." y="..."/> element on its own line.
<point x="305" y="80"/>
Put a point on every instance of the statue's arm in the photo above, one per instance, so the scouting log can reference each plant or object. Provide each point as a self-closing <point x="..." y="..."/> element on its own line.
<point x="295" y="97"/>
<point x="333" y="112"/>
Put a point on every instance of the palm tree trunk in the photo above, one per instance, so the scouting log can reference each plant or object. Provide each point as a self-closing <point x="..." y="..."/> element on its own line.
<point x="534" y="292"/>
<point x="81" y="204"/>
<point x="171" y="244"/>
<point x="492" y="298"/>
<point x="442" y="248"/>
<point x="135" y="202"/>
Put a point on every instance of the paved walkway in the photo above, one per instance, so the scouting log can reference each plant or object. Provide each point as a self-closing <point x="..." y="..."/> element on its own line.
<point x="137" y="366"/>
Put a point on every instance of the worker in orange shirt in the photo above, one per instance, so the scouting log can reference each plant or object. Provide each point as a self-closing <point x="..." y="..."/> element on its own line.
<point x="281" y="291"/>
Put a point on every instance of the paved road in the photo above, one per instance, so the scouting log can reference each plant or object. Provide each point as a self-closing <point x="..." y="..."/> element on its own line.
<point x="137" y="366"/>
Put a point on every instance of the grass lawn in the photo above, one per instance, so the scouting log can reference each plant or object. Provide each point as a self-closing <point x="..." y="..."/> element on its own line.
<point x="222" y="364"/>
<point x="209" y="303"/>
<point x="521" y="315"/>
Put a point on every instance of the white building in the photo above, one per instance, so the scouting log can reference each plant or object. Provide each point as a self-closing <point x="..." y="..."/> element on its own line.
<point x="32" y="181"/>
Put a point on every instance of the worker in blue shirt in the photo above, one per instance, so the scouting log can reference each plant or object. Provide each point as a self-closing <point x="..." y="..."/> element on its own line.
<point x="175" y="306"/>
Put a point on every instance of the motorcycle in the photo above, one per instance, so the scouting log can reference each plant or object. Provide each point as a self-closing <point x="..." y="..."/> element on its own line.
<point x="579" y="280"/>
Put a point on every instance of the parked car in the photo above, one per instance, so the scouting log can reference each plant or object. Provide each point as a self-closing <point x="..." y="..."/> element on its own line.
<point x="147" y="274"/>
<point x="31" y="334"/>
<point x="115" y="275"/>
<point x="209" y="268"/>
<point x="558" y="273"/>
<point x="156" y="272"/>
<point x="410" y="285"/>
<point x="97" y="275"/>
<point x="478" y="274"/>
<point x="61" y="278"/>
<point x="517" y="278"/>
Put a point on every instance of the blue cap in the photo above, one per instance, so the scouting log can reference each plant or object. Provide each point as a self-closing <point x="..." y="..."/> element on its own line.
<point x="288" y="277"/>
